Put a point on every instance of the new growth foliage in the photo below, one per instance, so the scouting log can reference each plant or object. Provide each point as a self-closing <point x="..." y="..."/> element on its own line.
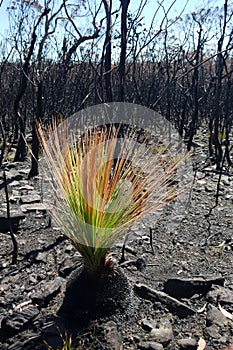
<point x="101" y="183"/>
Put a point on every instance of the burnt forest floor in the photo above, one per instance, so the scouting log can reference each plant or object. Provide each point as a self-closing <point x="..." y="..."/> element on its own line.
<point x="180" y="292"/>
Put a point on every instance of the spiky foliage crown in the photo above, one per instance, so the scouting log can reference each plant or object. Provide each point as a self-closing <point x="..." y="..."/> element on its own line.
<point x="102" y="183"/>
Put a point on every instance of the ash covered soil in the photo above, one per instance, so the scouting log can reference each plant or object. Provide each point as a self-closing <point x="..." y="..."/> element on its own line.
<point x="179" y="294"/>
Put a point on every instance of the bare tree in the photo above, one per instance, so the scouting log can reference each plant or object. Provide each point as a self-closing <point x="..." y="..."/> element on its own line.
<point x="79" y="40"/>
<point x="108" y="50"/>
<point x="195" y="84"/>
<point x="40" y="86"/>
<point x="21" y="150"/>
<point x="124" y="10"/>
<point x="218" y="89"/>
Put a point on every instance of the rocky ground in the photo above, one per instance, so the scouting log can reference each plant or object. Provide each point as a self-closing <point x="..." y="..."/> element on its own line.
<point x="180" y="286"/>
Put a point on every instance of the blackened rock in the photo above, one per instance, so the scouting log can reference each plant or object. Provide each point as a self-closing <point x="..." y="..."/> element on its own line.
<point x="30" y="198"/>
<point x="187" y="287"/>
<point x="41" y="256"/>
<point x="213" y="332"/>
<point x="187" y="344"/>
<point x="163" y="333"/>
<point x="33" y="207"/>
<point x="46" y="291"/>
<point x="13" y="174"/>
<point x="18" y="321"/>
<point x="148" y="325"/>
<point x="151" y="345"/>
<point x="214" y="316"/>
<point x="37" y="256"/>
<point x="221" y="294"/>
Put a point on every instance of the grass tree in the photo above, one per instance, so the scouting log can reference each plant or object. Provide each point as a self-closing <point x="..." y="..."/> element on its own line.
<point x="102" y="183"/>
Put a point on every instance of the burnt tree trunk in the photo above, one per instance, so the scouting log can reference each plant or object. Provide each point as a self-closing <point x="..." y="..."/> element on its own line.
<point x="195" y="89"/>
<point x="218" y="91"/>
<point x="108" y="50"/>
<point x="3" y="147"/>
<point x="35" y="138"/>
<point x="14" y="241"/>
<point x="124" y="9"/>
